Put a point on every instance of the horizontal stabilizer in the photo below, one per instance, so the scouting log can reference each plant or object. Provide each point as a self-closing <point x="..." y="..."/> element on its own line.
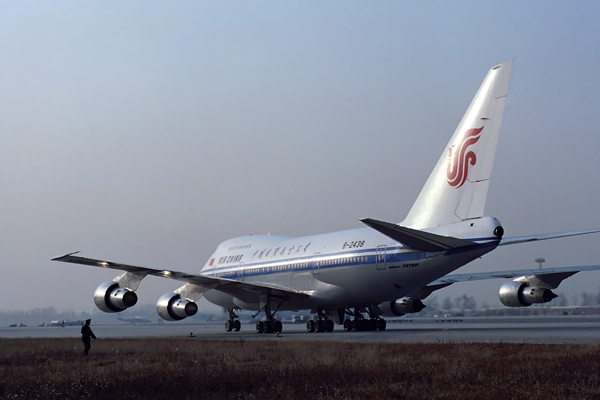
<point x="416" y="239"/>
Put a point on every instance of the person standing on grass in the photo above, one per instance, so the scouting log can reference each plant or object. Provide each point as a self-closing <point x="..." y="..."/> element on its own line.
<point x="86" y="336"/>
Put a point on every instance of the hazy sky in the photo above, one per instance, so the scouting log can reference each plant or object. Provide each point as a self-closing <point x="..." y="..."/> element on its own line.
<point x="147" y="132"/>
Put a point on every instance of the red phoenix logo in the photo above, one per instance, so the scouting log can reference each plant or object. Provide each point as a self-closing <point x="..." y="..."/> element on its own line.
<point x="459" y="158"/>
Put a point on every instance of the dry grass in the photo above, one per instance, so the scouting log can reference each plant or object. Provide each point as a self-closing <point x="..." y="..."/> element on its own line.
<point x="192" y="368"/>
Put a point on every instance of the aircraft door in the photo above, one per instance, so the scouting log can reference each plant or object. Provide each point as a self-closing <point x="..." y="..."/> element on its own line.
<point x="380" y="259"/>
<point x="315" y="264"/>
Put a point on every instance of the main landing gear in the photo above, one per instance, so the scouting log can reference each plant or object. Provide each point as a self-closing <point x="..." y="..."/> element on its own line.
<point x="373" y="324"/>
<point x="271" y="325"/>
<point x="359" y="323"/>
<point x="232" y="323"/>
<point x="322" y="324"/>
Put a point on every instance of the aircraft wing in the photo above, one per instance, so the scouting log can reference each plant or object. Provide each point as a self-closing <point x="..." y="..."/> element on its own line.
<point x="230" y="286"/>
<point x="478" y="276"/>
<point x="533" y="238"/>
<point x="548" y="277"/>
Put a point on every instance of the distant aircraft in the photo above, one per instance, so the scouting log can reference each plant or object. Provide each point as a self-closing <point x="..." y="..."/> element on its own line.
<point x="386" y="269"/>
<point x="135" y="320"/>
<point x="67" y="322"/>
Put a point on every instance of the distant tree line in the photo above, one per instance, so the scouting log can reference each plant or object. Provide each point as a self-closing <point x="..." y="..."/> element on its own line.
<point x="459" y="303"/>
<point x="39" y="316"/>
<point x="587" y="299"/>
<point x="464" y="302"/>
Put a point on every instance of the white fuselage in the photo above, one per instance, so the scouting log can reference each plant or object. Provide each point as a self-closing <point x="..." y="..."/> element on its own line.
<point x="340" y="269"/>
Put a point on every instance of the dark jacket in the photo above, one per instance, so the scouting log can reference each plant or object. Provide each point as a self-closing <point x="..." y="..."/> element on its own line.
<point x="86" y="332"/>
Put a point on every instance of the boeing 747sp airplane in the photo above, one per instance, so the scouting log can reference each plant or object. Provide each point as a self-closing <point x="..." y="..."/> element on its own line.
<point x="354" y="277"/>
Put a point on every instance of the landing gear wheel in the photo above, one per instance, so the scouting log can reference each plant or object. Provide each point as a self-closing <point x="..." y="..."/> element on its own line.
<point x="372" y="325"/>
<point x="277" y="327"/>
<point x="232" y="323"/>
<point x="259" y="327"/>
<point x="319" y="326"/>
<point x="310" y="326"/>
<point x="329" y="325"/>
<point x="267" y="327"/>
<point x="381" y="324"/>
<point x="347" y="325"/>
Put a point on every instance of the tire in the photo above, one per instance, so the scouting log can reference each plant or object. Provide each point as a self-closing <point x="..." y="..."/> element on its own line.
<point x="237" y="325"/>
<point x="267" y="327"/>
<point x="381" y="324"/>
<point x="259" y="327"/>
<point x="347" y="325"/>
<point x="319" y="326"/>
<point x="372" y="324"/>
<point x="277" y="327"/>
<point x="310" y="326"/>
<point x="329" y="325"/>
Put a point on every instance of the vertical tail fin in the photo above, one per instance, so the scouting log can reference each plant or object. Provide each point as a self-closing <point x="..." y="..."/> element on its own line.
<point x="457" y="188"/>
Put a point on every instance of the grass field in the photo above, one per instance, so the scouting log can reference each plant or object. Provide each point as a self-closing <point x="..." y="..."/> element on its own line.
<point x="196" y="369"/>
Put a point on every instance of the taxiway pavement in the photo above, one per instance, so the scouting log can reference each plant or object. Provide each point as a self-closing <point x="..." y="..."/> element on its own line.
<point x="560" y="329"/>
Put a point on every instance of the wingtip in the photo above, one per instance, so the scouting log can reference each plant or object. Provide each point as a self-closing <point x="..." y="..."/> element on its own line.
<point x="66" y="255"/>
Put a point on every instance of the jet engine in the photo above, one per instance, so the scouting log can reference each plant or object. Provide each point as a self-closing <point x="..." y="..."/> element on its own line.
<point x="520" y="294"/>
<point x="402" y="306"/>
<point x="111" y="298"/>
<point x="172" y="307"/>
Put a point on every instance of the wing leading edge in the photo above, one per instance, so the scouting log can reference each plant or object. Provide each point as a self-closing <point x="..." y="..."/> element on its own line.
<point x="201" y="283"/>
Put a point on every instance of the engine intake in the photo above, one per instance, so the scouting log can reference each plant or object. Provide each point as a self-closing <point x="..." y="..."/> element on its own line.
<point x="172" y="307"/>
<point x="399" y="307"/>
<point x="519" y="294"/>
<point x="111" y="298"/>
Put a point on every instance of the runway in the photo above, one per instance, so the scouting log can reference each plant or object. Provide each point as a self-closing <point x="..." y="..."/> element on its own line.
<point x="560" y="329"/>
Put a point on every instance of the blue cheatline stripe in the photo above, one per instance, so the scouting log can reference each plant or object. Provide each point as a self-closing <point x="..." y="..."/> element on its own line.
<point x="307" y="263"/>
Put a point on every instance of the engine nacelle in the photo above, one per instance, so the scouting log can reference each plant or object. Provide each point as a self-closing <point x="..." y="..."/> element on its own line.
<point x="172" y="307"/>
<point x="111" y="298"/>
<point x="520" y="294"/>
<point x="399" y="307"/>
